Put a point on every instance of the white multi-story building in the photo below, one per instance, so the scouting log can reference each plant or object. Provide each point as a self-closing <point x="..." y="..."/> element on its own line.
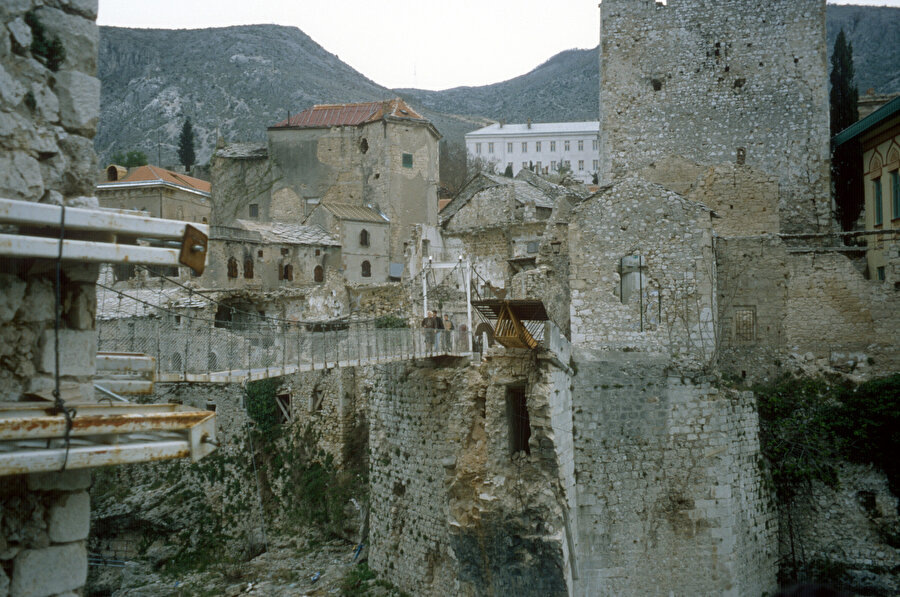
<point x="541" y="146"/>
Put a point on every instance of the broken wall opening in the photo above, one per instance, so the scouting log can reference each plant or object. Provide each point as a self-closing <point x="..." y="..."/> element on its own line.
<point x="518" y="421"/>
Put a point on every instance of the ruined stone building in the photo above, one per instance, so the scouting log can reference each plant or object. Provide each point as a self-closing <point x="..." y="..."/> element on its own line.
<point x="543" y="147"/>
<point x="380" y="157"/>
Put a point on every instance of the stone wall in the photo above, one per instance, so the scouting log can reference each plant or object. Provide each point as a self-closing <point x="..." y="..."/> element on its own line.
<point x="670" y="306"/>
<point x="456" y="510"/>
<point x="49" y="105"/>
<point x="46" y="518"/>
<point x="670" y="495"/>
<point x="760" y="69"/>
<point x="852" y="526"/>
<point x="802" y="309"/>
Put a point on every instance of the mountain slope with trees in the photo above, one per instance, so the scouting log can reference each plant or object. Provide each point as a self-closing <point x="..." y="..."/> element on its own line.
<point x="240" y="80"/>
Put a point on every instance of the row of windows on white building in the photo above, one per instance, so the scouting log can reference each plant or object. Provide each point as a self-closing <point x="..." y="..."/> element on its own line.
<point x="538" y="146"/>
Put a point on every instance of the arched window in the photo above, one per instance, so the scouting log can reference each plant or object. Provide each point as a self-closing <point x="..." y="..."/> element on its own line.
<point x="364" y="238"/>
<point x="319" y="274"/>
<point x="176" y="361"/>
<point x="232" y="267"/>
<point x="288" y="273"/>
<point x="248" y="268"/>
<point x="366" y="269"/>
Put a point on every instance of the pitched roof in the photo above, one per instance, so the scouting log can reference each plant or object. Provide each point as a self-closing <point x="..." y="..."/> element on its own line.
<point x="288" y="234"/>
<point x="357" y="213"/>
<point x="328" y="115"/>
<point x="155" y="174"/>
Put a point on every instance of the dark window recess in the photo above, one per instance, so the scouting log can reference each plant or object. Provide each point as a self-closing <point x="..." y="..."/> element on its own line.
<point x="283" y="402"/>
<point x="123" y="271"/>
<point x="248" y="268"/>
<point x="318" y="252"/>
<point x="285" y="251"/>
<point x="288" y="273"/>
<point x="517" y="419"/>
<point x="212" y="360"/>
<point x="319" y="274"/>
<point x="158" y="271"/>
<point x="407" y="160"/>
<point x="364" y="238"/>
<point x="657" y="84"/>
<point x="366" y="269"/>
<point x="259" y="253"/>
<point x="364" y="146"/>
<point x="232" y="267"/>
<point x="211" y="406"/>
<point x="254" y="210"/>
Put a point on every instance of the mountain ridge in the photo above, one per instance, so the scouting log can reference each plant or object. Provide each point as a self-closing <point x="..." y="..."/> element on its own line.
<point x="252" y="76"/>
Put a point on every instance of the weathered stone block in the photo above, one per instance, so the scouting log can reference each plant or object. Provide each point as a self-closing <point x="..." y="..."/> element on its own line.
<point x="11" y="91"/>
<point x="79" y="101"/>
<point x="20" y="32"/>
<point x="70" y="518"/>
<point x="79" y="36"/>
<point x="39" y="301"/>
<point x="11" y="299"/>
<point x="86" y="8"/>
<point x="77" y="352"/>
<point x="66" y="481"/>
<point x="42" y="572"/>
<point x="45" y="102"/>
<point x="20" y="174"/>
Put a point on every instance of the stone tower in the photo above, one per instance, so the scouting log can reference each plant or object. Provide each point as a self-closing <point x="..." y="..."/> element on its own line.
<point x="694" y="84"/>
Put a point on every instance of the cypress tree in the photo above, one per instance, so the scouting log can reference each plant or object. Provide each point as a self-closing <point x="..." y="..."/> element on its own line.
<point x="186" y="146"/>
<point x="846" y="160"/>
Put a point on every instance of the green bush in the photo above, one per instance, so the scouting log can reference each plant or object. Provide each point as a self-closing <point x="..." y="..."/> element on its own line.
<point x="390" y="321"/>
<point x="808" y="426"/>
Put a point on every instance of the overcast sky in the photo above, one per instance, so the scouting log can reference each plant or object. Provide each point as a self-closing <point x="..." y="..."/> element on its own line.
<point x="403" y="44"/>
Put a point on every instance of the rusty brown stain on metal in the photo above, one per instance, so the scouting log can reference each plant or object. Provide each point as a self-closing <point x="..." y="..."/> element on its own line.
<point x="85" y="422"/>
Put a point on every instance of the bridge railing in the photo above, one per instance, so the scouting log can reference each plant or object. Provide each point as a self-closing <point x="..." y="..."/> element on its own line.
<point x="192" y="347"/>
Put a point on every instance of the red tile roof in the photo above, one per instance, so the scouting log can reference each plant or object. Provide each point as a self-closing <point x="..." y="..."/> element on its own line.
<point x="154" y="173"/>
<point x="328" y="115"/>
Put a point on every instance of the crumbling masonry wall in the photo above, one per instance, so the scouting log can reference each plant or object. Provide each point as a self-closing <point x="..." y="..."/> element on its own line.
<point x="49" y="104"/>
<point x="455" y="511"/>
<point x="760" y="66"/>
<point x="671" y="499"/>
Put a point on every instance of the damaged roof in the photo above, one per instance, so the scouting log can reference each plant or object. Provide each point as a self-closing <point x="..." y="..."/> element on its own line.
<point x="289" y="234"/>
<point x="523" y="192"/>
<point x="356" y="213"/>
<point x="328" y="115"/>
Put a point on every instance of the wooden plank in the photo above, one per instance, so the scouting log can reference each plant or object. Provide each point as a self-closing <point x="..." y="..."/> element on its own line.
<point x="90" y="251"/>
<point x="27" y="213"/>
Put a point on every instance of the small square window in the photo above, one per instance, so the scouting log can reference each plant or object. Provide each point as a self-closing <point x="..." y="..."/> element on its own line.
<point x="254" y="210"/>
<point x="259" y="253"/>
<point x="407" y="160"/>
